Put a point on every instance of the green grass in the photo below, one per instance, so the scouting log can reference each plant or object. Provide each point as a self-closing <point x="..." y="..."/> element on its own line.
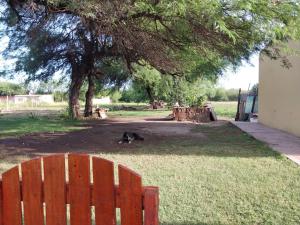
<point x="226" y="178"/>
<point x="16" y="126"/>
<point x="225" y="109"/>
<point x="144" y="113"/>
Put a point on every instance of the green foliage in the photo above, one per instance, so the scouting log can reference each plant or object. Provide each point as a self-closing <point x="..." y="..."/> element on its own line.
<point x="114" y="76"/>
<point x="190" y="94"/>
<point x="178" y="37"/>
<point x="115" y="96"/>
<point x="134" y="93"/>
<point x="51" y="86"/>
<point x="65" y="114"/>
<point x="60" y="96"/>
<point x="149" y="85"/>
<point x="172" y="90"/>
<point x="222" y="94"/>
<point x="149" y="79"/>
<point x="193" y="40"/>
<point x="232" y="94"/>
<point x="7" y="88"/>
<point x="219" y="95"/>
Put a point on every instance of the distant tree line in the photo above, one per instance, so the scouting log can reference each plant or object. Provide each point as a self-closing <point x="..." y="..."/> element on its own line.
<point x="222" y="94"/>
<point x="10" y="89"/>
<point x="149" y="85"/>
<point x="137" y="94"/>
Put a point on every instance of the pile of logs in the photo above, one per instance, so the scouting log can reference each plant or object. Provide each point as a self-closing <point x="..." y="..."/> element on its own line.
<point x="196" y="114"/>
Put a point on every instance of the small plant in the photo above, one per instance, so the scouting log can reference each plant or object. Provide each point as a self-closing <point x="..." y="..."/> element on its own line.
<point x="33" y="116"/>
<point x="66" y="114"/>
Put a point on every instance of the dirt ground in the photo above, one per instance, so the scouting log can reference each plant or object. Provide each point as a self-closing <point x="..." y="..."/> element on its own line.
<point x="99" y="136"/>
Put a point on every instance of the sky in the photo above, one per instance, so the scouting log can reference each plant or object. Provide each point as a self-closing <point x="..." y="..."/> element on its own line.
<point x="246" y="75"/>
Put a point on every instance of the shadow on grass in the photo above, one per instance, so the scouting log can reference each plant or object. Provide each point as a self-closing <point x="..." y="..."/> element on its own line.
<point x="27" y="125"/>
<point x="190" y="223"/>
<point x="161" y="138"/>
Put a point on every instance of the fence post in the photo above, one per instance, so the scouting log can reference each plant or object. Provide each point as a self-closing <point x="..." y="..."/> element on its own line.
<point x="237" y="117"/>
<point x="1" y="204"/>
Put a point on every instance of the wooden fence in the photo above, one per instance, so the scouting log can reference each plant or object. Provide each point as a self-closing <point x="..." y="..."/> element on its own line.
<point x="39" y="192"/>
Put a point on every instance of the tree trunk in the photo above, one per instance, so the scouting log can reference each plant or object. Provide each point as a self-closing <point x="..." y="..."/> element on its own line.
<point x="76" y="83"/>
<point x="150" y="95"/>
<point x="88" y="111"/>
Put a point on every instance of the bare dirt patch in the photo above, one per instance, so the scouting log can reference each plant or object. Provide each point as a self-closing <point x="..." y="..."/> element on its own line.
<point x="99" y="136"/>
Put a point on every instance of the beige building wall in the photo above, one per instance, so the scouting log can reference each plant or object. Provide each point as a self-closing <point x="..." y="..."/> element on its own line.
<point x="279" y="94"/>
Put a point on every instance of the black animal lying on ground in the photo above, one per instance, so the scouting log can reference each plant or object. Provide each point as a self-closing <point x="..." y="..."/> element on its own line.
<point x="129" y="137"/>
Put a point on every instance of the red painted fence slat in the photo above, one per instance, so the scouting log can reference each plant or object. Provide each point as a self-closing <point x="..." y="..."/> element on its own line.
<point x="55" y="190"/>
<point x="130" y="197"/>
<point x="32" y="192"/>
<point x="151" y="202"/>
<point x="79" y="189"/>
<point x="12" y="214"/>
<point x="104" y="192"/>
<point x="1" y="204"/>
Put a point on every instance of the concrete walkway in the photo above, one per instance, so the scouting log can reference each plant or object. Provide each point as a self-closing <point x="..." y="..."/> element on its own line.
<point x="283" y="142"/>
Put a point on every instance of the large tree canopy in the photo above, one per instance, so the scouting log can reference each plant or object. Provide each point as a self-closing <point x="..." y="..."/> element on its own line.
<point x="171" y="35"/>
<point x="194" y="38"/>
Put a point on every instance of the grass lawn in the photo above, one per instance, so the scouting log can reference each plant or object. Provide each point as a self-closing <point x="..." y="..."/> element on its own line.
<point x="228" y="178"/>
<point x="20" y="124"/>
<point x="15" y="126"/>
<point x="225" y="109"/>
<point x="144" y="113"/>
<point x="223" y="178"/>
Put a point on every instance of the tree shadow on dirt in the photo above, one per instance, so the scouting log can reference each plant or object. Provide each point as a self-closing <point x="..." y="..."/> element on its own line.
<point x="161" y="138"/>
